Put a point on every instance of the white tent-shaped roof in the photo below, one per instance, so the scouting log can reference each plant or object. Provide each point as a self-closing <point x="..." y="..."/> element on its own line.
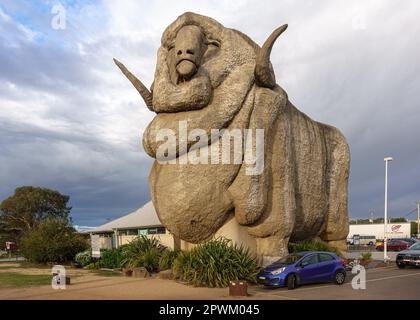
<point x="144" y="217"/>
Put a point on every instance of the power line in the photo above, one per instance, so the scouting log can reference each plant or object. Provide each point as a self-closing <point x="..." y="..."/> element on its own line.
<point x="411" y="212"/>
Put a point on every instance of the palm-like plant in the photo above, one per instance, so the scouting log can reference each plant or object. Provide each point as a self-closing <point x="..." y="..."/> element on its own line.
<point x="143" y="252"/>
<point x="215" y="263"/>
<point x="167" y="259"/>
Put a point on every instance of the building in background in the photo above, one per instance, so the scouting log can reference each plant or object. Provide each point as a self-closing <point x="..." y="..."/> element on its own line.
<point x="145" y="221"/>
<point x="395" y="230"/>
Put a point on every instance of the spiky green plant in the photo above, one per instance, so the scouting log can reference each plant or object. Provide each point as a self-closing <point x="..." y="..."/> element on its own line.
<point x="143" y="252"/>
<point x="366" y="256"/>
<point x="215" y="263"/>
<point x="167" y="259"/>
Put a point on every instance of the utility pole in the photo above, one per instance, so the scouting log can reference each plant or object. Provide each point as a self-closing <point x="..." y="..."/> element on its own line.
<point x="386" y="258"/>
<point x="418" y="219"/>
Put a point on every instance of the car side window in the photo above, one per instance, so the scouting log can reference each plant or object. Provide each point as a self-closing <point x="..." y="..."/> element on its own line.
<point x="312" y="259"/>
<point x="325" y="257"/>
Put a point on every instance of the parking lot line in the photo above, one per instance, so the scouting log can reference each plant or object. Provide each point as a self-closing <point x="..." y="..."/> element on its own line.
<point x="394" y="277"/>
<point x="281" y="296"/>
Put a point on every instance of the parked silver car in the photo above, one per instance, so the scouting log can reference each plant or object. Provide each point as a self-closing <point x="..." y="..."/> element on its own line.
<point x="409" y="257"/>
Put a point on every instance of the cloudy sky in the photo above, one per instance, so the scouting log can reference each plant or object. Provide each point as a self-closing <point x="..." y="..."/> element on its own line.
<point x="70" y="121"/>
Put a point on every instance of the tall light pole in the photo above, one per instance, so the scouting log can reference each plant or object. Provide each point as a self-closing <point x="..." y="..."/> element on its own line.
<point x="418" y="219"/>
<point x="386" y="258"/>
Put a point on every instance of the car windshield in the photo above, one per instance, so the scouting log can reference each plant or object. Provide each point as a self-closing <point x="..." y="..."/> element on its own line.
<point x="291" y="258"/>
<point x="415" y="246"/>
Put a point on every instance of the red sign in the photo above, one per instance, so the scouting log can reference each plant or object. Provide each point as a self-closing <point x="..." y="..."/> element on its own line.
<point x="396" y="227"/>
<point x="10" y="245"/>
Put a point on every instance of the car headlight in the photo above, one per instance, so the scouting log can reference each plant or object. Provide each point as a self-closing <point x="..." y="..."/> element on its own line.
<point x="278" y="271"/>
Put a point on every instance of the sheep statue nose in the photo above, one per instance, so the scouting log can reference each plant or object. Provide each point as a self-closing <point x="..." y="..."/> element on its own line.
<point x="189" y="50"/>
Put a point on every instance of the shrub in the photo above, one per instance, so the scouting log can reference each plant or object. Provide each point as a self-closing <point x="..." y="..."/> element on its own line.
<point x="94" y="265"/>
<point x="167" y="259"/>
<point x="143" y="252"/>
<point x="84" y="258"/>
<point x="112" y="258"/>
<point x="366" y="256"/>
<point x="215" y="263"/>
<point x="54" y="240"/>
<point x="185" y="266"/>
<point x="313" y="246"/>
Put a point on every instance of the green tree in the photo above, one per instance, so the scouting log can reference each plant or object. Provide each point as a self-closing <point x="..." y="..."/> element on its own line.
<point x="396" y="220"/>
<point x="54" y="240"/>
<point x="29" y="206"/>
<point x="6" y="235"/>
<point x="413" y="226"/>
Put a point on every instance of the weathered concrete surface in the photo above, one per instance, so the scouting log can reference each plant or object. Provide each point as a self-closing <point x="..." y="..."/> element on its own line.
<point x="211" y="77"/>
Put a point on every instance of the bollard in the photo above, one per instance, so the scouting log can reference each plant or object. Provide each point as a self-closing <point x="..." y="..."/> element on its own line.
<point x="128" y="272"/>
<point x="238" y="288"/>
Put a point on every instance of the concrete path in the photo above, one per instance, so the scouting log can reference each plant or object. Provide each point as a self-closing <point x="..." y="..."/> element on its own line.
<point x="15" y="259"/>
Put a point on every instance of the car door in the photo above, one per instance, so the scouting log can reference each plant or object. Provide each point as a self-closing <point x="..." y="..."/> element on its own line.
<point x="307" y="269"/>
<point x="392" y="245"/>
<point x="326" y="266"/>
<point x="401" y="245"/>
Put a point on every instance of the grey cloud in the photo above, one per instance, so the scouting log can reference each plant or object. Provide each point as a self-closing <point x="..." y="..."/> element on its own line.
<point x="87" y="145"/>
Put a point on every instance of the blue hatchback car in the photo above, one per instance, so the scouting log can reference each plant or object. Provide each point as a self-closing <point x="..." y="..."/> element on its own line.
<point x="303" y="268"/>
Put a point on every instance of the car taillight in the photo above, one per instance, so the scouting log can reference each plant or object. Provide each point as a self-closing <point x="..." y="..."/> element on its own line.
<point x="343" y="262"/>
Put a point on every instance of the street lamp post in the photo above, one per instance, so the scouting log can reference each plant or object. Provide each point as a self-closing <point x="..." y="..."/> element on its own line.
<point x="386" y="258"/>
<point x="418" y="219"/>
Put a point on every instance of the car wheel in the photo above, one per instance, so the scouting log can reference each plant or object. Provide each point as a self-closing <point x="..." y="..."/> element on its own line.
<point x="291" y="282"/>
<point x="340" y="277"/>
<point x="401" y="265"/>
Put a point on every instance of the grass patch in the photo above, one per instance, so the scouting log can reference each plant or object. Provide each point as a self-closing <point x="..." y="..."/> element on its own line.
<point x="18" y="280"/>
<point x="8" y="267"/>
<point x="106" y="273"/>
<point x="24" y="265"/>
<point x="27" y="264"/>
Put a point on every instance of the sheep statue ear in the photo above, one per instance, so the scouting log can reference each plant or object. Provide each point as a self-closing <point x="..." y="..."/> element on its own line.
<point x="140" y="87"/>
<point x="213" y="42"/>
<point x="264" y="74"/>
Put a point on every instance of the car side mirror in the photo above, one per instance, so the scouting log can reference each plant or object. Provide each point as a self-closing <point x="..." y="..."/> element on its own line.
<point x="304" y="264"/>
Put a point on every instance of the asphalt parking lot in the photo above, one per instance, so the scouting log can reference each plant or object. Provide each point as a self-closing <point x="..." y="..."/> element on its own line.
<point x="381" y="283"/>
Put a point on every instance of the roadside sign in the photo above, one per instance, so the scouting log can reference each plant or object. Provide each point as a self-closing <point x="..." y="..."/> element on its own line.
<point x="11" y="246"/>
